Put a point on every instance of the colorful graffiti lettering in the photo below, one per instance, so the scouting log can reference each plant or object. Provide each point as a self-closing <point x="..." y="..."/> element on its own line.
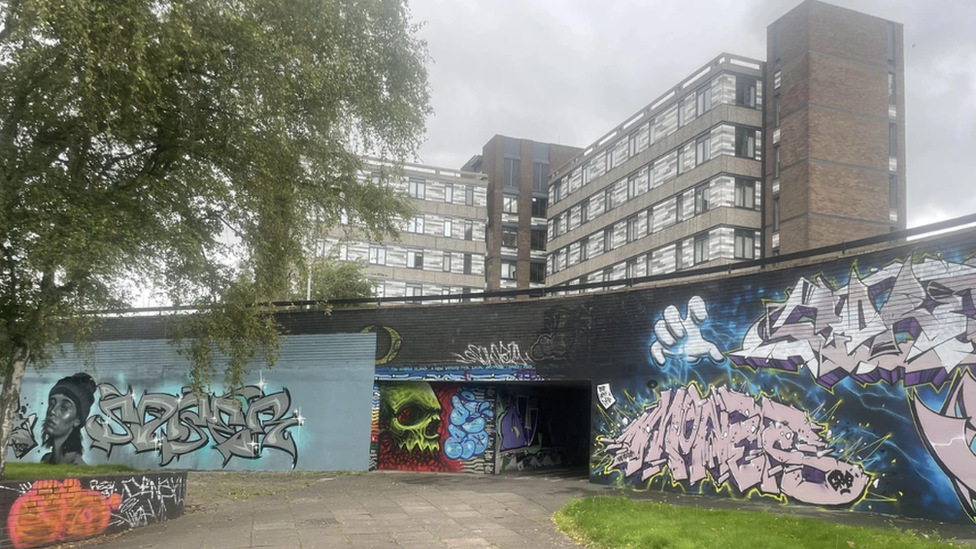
<point x="469" y="419"/>
<point x="731" y="438"/>
<point x="912" y="321"/>
<point x="949" y="435"/>
<point x="53" y="511"/>
<point x="176" y="425"/>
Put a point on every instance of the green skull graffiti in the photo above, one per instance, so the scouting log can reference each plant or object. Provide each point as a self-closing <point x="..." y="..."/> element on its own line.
<point x="415" y="415"/>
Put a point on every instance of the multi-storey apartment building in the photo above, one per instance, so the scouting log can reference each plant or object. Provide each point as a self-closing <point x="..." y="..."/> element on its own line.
<point x="675" y="186"/>
<point x="518" y="182"/>
<point x="683" y="183"/>
<point x="441" y="249"/>
<point x="836" y="117"/>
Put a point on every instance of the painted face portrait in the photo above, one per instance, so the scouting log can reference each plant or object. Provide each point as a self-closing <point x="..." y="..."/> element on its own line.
<point x="62" y="417"/>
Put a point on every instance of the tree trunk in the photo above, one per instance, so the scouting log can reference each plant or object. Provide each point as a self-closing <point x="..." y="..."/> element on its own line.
<point x="10" y="398"/>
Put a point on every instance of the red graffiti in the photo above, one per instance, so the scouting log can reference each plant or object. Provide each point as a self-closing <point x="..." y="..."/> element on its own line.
<point x="52" y="511"/>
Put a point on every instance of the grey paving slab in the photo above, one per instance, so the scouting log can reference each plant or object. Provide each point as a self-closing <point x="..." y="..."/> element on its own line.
<point x="416" y="510"/>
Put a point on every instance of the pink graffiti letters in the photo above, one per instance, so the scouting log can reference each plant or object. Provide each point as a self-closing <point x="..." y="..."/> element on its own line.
<point x="949" y="435"/>
<point x="176" y="425"/>
<point x="731" y="438"/>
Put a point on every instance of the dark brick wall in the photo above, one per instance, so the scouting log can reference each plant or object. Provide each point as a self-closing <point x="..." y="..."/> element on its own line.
<point x="47" y="512"/>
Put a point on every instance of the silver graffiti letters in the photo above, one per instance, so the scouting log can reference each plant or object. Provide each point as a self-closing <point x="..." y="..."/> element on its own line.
<point x="912" y="321"/>
<point x="732" y="438"/>
<point x="176" y="425"/>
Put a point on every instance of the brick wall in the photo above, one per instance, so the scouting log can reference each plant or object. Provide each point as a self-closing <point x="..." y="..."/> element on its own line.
<point x="47" y="512"/>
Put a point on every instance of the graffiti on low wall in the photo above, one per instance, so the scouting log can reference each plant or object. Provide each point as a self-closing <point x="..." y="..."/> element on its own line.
<point x="46" y="512"/>
<point x="244" y="425"/>
<point x="841" y="387"/>
<point x="441" y="427"/>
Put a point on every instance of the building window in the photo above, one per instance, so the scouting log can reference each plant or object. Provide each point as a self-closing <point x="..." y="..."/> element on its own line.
<point x="633" y="227"/>
<point x="701" y="248"/>
<point x="418" y="188"/>
<point x="513" y="175"/>
<point x="415" y="259"/>
<point x="538" y="239"/>
<point x="632" y="268"/>
<point x="557" y="191"/>
<point x="891" y="43"/>
<point x="468" y="230"/>
<point x="775" y="213"/>
<point x="701" y="199"/>
<point x="703" y="100"/>
<point x="745" y="244"/>
<point x="679" y="207"/>
<point x="377" y="255"/>
<point x="537" y="273"/>
<point x="703" y="150"/>
<point x="892" y="139"/>
<point x="745" y="194"/>
<point x="585" y="211"/>
<point x="539" y="207"/>
<point x="584" y="248"/>
<point x="540" y="176"/>
<point x="448" y="193"/>
<point x="745" y="91"/>
<point x="610" y="203"/>
<point x="508" y="270"/>
<point x="776" y="109"/>
<point x="679" y="259"/>
<point x="776" y="162"/>
<point x="633" y="142"/>
<point x="893" y="191"/>
<point x="467" y="264"/>
<point x="447" y="262"/>
<point x="509" y="237"/>
<point x="608" y="239"/>
<point x="416" y="225"/>
<point x="469" y="195"/>
<point x="414" y="290"/>
<point x="632" y="187"/>
<point x="745" y="142"/>
<point x="891" y="89"/>
<point x="448" y="228"/>
<point x="510" y="204"/>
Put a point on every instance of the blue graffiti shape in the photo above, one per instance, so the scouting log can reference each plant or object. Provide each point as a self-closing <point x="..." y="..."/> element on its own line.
<point x="467" y="429"/>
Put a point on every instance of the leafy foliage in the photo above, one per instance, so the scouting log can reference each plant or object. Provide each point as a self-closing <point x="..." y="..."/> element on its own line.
<point x="193" y="144"/>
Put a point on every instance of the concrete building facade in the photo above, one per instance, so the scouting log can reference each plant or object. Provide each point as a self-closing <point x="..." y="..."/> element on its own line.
<point x="683" y="183"/>
<point x="836" y="117"/>
<point x="675" y="186"/>
<point x="440" y="250"/>
<point x="518" y="180"/>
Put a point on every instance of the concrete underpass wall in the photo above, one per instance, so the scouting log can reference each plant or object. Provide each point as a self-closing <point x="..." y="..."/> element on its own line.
<point x="845" y="383"/>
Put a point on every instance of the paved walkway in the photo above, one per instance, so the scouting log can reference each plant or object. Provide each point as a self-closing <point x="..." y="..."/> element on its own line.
<point x="417" y="510"/>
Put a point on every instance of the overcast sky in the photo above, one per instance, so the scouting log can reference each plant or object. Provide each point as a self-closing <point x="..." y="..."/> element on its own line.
<point x="568" y="71"/>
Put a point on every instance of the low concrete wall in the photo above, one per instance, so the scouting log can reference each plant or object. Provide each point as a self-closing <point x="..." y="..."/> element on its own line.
<point x="46" y="512"/>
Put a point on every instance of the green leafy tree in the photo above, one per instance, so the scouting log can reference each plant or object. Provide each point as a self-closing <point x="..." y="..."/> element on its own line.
<point x="174" y="142"/>
<point x="328" y="279"/>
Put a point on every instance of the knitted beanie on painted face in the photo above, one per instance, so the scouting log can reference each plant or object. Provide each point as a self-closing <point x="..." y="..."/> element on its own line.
<point x="80" y="388"/>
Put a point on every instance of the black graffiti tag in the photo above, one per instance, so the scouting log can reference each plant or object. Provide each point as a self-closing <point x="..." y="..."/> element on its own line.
<point x="176" y="425"/>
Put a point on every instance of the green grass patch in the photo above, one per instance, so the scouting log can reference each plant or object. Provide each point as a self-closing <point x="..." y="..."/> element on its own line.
<point x="618" y="522"/>
<point x="38" y="471"/>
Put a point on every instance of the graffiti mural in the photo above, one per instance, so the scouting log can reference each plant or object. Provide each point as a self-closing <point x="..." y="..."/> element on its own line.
<point x="541" y="427"/>
<point x="441" y="427"/>
<point x="727" y="437"/>
<point x="840" y="382"/>
<point x="46" y="512"/>
<point x="240" y="426"/>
